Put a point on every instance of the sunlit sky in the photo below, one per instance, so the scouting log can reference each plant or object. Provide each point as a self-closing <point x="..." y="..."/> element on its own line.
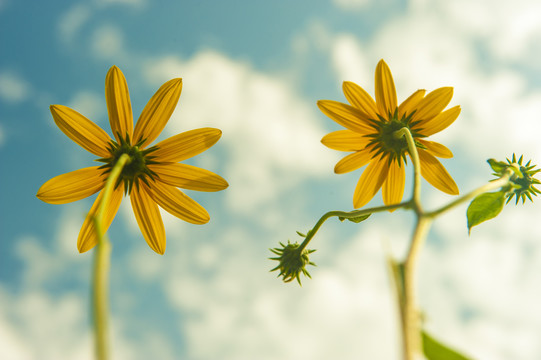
<point x="255" y="70"/>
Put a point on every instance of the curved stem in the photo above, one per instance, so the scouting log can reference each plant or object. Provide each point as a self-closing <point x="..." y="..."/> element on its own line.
<point x="100" y="286"/>
<point x="347" y="215"/>
<point x="414" y="155"/>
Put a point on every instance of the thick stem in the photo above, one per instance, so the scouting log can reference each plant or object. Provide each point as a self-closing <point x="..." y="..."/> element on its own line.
<point x="100" y="288"/>
<point x="410" y="315"/>
<point x="410" y="319"/>
<point x="100" y="294"/>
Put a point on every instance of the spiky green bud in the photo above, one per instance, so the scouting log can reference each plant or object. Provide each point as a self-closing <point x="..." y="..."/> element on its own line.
<point x="521" y="182"/>
<point x="292" y="261"/>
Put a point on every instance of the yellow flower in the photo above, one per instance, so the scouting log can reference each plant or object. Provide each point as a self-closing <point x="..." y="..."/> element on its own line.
<point x="153" y="174"/>
<point x="370" y="126"/>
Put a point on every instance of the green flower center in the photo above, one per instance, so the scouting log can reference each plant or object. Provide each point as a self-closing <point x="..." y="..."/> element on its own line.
<point x="136" y="168"/>
<point x="389" y="143"/>
<point x="384" y="140"/>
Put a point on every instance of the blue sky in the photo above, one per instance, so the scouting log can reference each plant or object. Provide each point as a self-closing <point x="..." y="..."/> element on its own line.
<point x="255" y="70"/>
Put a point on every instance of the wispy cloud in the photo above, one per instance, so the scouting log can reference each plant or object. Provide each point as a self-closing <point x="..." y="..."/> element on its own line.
<point x="13" y="88"/>
<point x="270" y="133"/>
<point x="132" y="3"/>
<point x="73" y="20"/>
<point x="108" y="43"/>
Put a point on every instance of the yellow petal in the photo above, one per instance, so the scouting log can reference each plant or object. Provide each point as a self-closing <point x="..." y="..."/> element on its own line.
<point x="360" y="99"/>
<point x="385" y="90"/>
<point x="81" y="130"/>
<point x="118" y="103"/>
<point x="434" y="172"/>
<point x="177" y="203"/>
<point x="345" y="115"/>
<point x="186" y="145"/>
<point x="87" y="236"/>
<point x="345" y="140"/>
<point x="189" y="177"/>
<point x="432" y="104"/>
<point x="353" y="162"/>
<point x="410" y="104"/>
<point x="148" y="217"/>
<point x="370" y="182"/>
<point x="393" y="187"/>
<point x="436" y="149"/>
<point x="438" y="123"/>
<point x="157" y="112"/>
<point x="72" y="186"/>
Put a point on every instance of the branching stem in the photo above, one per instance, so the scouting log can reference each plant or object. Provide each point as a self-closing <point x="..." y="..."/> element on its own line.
<point x="404" y="273"/>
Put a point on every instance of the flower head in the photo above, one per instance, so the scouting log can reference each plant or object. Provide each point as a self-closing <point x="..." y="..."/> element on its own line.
<point x="370" y="126"/>
<point x="521" y="182"/>
<point x="153" y="174"/>
<point x="292" y="261"/>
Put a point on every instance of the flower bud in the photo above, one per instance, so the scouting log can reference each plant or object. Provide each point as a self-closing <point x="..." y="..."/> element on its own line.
<point x="292" y="261"/>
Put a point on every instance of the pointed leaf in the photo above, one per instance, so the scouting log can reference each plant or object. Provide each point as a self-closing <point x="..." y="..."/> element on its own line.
<point x="434" y="350"/>
<point x="357" y="219"/>
<point x="497" y="166"/>
<point x="484" y="207"/>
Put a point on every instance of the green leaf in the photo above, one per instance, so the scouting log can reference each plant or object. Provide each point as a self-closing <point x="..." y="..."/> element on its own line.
<point x="484" y="207"/>
<point x="434" y="350"/>
<point x="497" y="166"/>
<point x="357" y="219"/>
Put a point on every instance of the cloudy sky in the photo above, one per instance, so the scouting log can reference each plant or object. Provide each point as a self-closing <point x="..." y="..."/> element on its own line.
<point x="255" y="70"/>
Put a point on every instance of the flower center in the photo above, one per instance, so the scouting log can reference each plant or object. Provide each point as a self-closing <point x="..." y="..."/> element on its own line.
<point x="385" y="142"/>
<point x="389" y="143"/>
<point x="136" y="168"/>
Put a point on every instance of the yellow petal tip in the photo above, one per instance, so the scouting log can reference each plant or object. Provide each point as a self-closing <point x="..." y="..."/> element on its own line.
<point x="159" y="251"/>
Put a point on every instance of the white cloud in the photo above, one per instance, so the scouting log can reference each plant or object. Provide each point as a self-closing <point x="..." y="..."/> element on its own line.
<point x="49" y="318"/>
<point x="511" y="31"/>
<point x="133" y="3"/>
<point x="349" y="61"/>
<point x="13" y="88"/>
<point x="38" y="325"/>
<point x="424" y="54"/>
<point x="89" y="104"/>
<point x="73" y="20"/>
<point x="352" y="4"/>
<point x="270" y="133"/>
<point x="345" y="312"/>
<point x="108" y="43"/>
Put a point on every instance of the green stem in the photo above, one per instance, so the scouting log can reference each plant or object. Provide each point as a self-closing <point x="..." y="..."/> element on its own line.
<point x="347" y="215"/>
<point x="414" y="155"/>
<point x="410" y="320"/>
<point x="100" y="287"/>
<point x="493" y="185"/>
<point x="411" y="324"/>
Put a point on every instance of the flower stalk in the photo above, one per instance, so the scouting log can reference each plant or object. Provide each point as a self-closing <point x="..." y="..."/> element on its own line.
<point x="409" y="313"/>
<point x="381" y="135"/>
<point x="100" y="289"/>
